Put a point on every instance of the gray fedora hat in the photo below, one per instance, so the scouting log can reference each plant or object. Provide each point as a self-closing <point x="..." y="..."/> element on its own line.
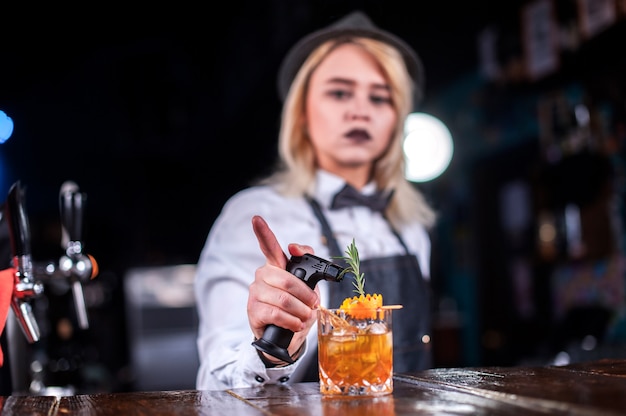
<point x="355" y="23"/>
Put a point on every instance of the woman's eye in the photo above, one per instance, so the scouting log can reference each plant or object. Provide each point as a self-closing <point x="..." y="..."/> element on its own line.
<point x="379" y="99"/>
<point x="339" y="94"/>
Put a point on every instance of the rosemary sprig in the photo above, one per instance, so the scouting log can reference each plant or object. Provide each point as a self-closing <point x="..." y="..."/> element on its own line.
<point x="354" y="263"/>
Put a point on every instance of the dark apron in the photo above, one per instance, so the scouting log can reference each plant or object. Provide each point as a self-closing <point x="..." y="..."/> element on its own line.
<point x="411" y="322"/>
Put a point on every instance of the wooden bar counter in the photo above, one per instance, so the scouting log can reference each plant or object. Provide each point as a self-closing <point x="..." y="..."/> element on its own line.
<point x="590" y="388"/>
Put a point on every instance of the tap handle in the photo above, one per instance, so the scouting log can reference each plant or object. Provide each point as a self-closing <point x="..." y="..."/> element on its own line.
<point x="72" y="205"/>
<point x="19" y="230"/>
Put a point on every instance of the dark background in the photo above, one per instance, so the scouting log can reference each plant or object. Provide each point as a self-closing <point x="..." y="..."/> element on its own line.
<point x="160" y="112"/>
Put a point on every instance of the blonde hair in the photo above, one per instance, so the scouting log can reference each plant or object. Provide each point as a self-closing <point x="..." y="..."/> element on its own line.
<point x="295" y="174"/>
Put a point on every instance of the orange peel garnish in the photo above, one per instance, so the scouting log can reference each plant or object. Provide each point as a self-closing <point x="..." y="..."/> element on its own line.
<point x="363" y="306"/>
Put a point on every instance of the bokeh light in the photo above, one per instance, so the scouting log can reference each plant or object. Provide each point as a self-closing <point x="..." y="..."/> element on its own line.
<point x="6" y="127"/>
<point x="428" y="147"/>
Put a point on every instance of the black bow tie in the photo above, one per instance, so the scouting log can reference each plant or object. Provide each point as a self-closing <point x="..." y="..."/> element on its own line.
<point x="349" y="197"/>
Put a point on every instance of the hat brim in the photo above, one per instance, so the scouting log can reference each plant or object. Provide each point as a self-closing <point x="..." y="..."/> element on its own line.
<point x="354" y="24"/>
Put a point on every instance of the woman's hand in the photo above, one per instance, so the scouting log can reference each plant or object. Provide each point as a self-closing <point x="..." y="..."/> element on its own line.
<point x="277" y="296"/>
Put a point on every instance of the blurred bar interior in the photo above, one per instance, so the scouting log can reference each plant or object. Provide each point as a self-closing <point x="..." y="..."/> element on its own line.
<point x="146" y="112"/>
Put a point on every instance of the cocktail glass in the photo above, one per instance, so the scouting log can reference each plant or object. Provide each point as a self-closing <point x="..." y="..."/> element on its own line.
<point x="355" y="352"/>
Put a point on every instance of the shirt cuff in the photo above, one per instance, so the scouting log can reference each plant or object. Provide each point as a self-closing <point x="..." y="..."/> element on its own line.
<point x="257" y="371"/>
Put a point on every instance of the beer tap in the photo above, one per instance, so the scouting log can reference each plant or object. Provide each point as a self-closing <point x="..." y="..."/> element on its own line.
<point x="71" y="271"/>
<point x="75" y="265"/>
<point x="25" y="286"/>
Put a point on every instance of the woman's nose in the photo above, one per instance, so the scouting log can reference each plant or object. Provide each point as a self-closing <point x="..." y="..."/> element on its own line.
<point x="359" y="109"/>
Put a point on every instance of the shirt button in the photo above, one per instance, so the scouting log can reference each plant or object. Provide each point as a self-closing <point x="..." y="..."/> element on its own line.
<point x="259" y="379"/>
<point x="283" y="379"/>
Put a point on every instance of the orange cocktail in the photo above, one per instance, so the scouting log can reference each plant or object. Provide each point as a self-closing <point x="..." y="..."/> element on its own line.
<point x="355" y="353"/>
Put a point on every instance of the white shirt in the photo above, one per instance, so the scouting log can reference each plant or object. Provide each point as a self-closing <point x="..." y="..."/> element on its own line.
<point x="231" y="256"/>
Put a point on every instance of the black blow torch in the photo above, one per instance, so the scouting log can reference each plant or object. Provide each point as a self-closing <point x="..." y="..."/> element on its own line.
<point x="311" y="269"/>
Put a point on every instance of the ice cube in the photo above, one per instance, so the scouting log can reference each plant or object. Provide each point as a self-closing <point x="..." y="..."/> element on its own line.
<point x="377" y="328"/>
<point x="343" y="331"/>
